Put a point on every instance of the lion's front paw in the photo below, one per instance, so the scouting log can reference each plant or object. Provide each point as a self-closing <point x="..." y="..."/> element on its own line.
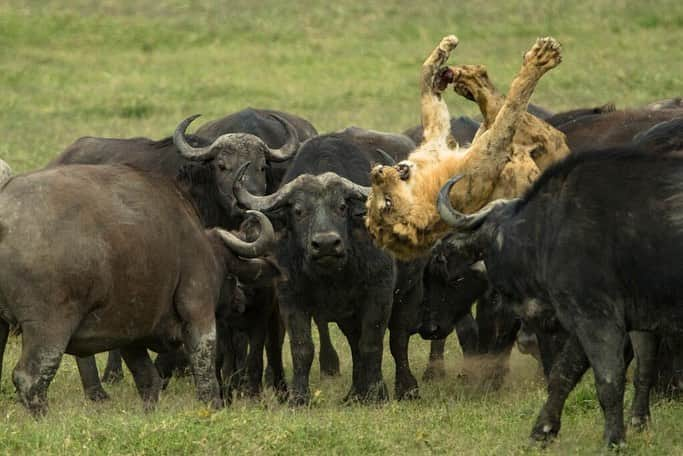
<point x="545" y="54"/>
<point x="404" y="168"/>
<point x="448" y="43"/>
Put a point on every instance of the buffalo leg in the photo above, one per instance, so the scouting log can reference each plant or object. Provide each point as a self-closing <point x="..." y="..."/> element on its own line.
<point x="604" y="347"/>
<point x="571" y="363"/>
<point x="373" y="326"/>
<point x="225" y="362"/>
<point x="550" y="345"/>
<point x="352" y="332"/>
<point x="645" y="349"/>
<point x="172" y="362"/>
<point x="497" y="334"/>
<point x="435" y="368"/>
<point x="41" y="354"/>
<point x="87" y="368"/>
<point x="468" y="335"/>
<point x="274" y="341"/>
<point x="113" y="371"/>
<point x="4" y="334"/>
<point x="240" y="347"/>
<point x="329" y="359"/>
<point x="404" y="315"/>
<point x="301" y="344"/>
<point x="199" y="338"/>
<point x="254" y="369"/>
<point x="146" y="376"/>
<point x="200" y="342"/>
<point x="406" y="384"/>
<point x="164" y="364"/>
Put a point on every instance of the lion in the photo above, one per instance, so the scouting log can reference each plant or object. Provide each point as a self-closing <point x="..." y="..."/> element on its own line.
<point x="508" y="152"/>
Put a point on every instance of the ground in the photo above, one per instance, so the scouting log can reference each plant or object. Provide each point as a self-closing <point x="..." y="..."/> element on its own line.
<point x="136" y="68"/>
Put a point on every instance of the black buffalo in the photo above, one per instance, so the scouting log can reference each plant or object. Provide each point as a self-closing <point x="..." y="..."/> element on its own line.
<point x="610" y="129"/>
<point x="83" y="248"/>
<point x="333" y="270"/>
<point x="205" y="167"/>
<point x="387" y="149"/>
<point x="453" y="281"/>
<point x="563" y="117"/>
<point x="463" y="129"/>
<point x="273" y="127"/>
<point x="605" y="260"/>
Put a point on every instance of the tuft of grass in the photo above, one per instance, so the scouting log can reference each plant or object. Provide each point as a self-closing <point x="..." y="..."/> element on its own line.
<point x="136" y="68"/>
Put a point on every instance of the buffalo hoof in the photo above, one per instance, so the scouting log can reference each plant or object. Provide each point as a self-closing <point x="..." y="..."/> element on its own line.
<point x="97" y="395"/>
<point x="281" y="390"/>
<point x="216" y="403"/>
<point x="408" y="394"/>
<point x="329" y="364"/>
<point x="299" y="400"/>
<point x="375" y="394"/>
<point x="544" y="433"/>
<point x="164" y="382"/>
<point x="112" y="376"/>
<point x="640" y="422"/>
<point x="330" y="372"/>
<point x="251" y="391"/>
<point x="38" y="412"/>
<point x="269" y="376"/>
<point x="407" y="389"/>
<point x="435" y="371"/>
<point x="282" y="395"/>
<point x="36" y="407"/>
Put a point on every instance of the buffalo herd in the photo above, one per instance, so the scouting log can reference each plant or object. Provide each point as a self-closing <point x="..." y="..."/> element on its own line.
<point x="559" y="231"/>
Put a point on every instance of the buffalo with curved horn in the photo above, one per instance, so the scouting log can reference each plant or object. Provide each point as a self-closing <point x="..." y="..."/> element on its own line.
<point x="567" y="240"/>
<point x="170" y="278"/>
<point x="334" y="272"/>
<point x="284" y="153"/>
<point x="281" y="197"/>
<point x="205" y="169"/>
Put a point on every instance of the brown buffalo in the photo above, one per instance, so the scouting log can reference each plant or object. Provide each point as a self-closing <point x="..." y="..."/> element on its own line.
<point x="94" y="258"/>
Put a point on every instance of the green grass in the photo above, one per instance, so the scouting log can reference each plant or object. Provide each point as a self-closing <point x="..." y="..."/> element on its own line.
<point x="125" y="68"/>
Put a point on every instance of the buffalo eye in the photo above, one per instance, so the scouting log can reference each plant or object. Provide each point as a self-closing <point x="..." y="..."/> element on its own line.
<point x="221" y="166"/>
<point x="298" y="211"/>
<point x="342" y="207"/>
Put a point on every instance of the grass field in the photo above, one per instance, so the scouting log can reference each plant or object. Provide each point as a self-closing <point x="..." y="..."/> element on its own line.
<point x="135" y="68"/>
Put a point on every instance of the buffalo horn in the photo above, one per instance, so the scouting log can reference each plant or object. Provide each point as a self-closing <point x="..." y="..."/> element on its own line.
<point x="456" y="219"/>
<point x="289" y="148"/>
<point x="188" y="151"/>
<point x="351" y="188"/>
<point x="261" y="203"/>
<point x="388" y="159"/>
<point x="253" y="249"/>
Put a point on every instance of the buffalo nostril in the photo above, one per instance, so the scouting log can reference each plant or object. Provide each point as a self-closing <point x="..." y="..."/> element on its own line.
<point x="328" y="243"/>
